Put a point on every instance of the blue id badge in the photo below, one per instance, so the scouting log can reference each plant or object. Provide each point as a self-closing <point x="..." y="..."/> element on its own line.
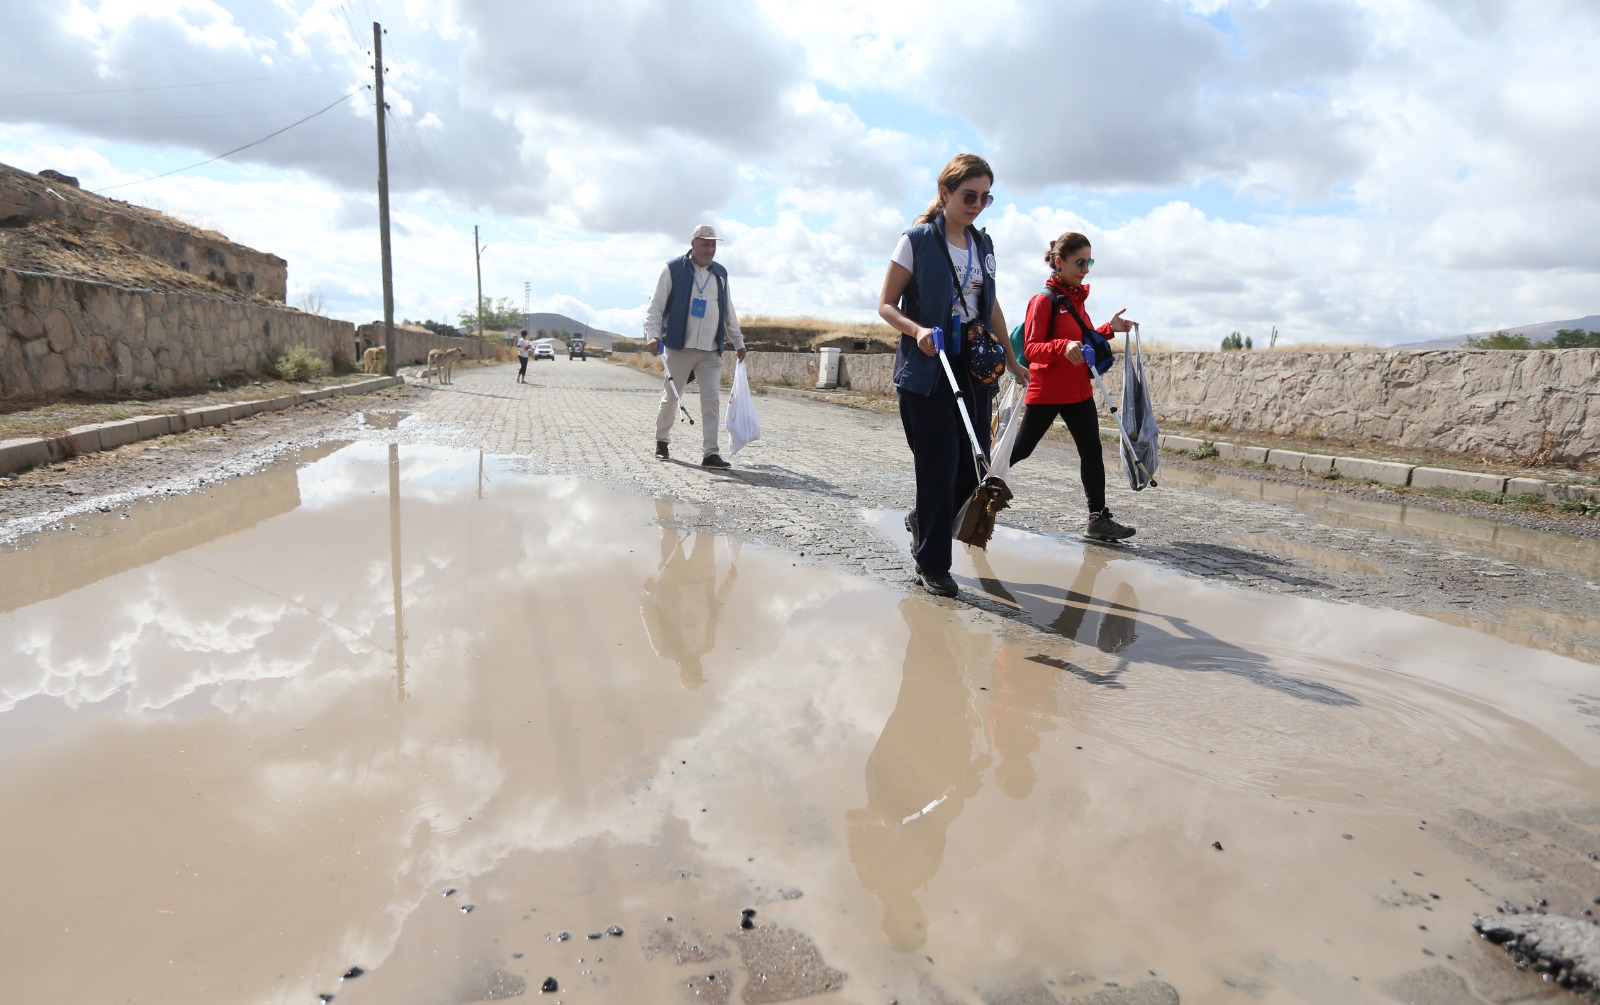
<point x="697" y="307"/>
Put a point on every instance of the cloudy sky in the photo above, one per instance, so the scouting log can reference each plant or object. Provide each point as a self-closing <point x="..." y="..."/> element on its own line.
<point x="1354" y="171"/>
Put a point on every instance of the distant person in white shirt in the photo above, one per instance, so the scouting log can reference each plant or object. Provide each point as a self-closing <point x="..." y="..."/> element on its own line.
<point x="691" y="316"/>
<point x="523" y="348"/>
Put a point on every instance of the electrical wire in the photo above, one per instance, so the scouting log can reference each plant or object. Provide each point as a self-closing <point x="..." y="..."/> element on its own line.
<point x="235" y="150"/>
<point x="166" y="87"/>
<point x="167" y="118"/>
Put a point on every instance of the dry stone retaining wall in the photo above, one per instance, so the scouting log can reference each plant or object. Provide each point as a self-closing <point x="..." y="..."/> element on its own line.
<point x="62" y="336"/>
<point x="411" y="346"/>
<point x="1503" y="405"/>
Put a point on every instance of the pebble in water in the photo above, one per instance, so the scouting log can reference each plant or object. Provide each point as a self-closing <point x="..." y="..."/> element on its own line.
<point x="466" y="908"/>
<point x="1217" y="845"/>
<point x="614" y="930"/>
<point x="564" y="936"/>
<point x="595" y="935"/>
<point x="353" y="973"/>
<point x="448" y="891"/>
<point x="549" y="986"/>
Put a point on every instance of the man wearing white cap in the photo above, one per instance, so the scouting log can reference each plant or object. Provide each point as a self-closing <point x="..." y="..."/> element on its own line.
<point x="692" y="316"/>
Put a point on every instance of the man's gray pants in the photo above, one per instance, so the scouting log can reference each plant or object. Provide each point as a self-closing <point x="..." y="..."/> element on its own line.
<point x="706" y="365"/>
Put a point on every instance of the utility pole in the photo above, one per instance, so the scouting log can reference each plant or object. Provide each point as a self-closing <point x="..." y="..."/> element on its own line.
<point x="383" y="205"/>
<point x="477" y="261"/>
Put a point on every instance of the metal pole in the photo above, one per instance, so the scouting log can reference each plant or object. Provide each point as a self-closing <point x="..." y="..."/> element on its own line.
<point x="383" y="205"/>
<point x="477" y="261"/>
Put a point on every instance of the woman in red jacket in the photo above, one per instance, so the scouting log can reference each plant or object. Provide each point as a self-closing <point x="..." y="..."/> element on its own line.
<point x="1058" y="380"/>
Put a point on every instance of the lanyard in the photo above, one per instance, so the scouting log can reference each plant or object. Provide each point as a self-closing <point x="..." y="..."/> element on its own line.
<point x="700" y="288"/>
<point x="958" y="301"/>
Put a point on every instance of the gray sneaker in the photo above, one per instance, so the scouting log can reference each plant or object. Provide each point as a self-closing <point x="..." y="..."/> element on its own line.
<point x="1103" y="528"/>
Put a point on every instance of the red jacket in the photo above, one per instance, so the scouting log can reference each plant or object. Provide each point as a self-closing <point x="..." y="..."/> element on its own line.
<point x="1047" y="331"/>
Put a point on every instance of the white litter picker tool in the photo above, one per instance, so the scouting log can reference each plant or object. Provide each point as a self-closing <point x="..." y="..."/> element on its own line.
<point x="974" y="522"/>
<point x="676" y="394"/>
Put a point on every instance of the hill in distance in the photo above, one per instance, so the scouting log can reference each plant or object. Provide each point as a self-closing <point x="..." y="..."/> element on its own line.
<point x="560" y="322"/>
<point x="1535" y="333"/>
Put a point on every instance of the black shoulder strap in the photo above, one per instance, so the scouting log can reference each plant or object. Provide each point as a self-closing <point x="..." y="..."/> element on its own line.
<point x="955" y="277"/>
<point x="1057" y="298"/>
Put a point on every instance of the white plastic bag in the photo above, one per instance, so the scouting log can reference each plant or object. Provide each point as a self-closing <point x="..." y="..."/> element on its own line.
<point x="743" y="426"/>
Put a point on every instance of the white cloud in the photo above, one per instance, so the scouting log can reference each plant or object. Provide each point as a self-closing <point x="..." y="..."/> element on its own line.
<point x="1347" y="169"/>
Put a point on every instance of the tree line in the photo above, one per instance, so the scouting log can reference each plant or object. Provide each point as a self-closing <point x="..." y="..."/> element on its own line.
<point x="1565" y="338"/>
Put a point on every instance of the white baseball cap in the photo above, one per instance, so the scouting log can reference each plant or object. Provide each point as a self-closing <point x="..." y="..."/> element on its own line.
<point x="704" y="231"/>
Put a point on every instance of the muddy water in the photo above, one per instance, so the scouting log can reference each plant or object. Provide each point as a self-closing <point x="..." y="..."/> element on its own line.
<point x="412" y="711"/>
<point x="1560" y="553"/>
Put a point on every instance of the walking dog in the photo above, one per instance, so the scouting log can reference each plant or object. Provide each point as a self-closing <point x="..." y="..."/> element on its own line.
<point x="441" y="362"/>
<point x="373" y="360"/>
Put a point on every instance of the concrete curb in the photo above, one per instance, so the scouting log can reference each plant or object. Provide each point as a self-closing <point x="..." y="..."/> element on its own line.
<point x="21" y="454"/>
<point x="1383" y="472"/>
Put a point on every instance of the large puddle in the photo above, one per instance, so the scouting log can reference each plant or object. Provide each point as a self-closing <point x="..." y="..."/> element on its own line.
<point x="410" y="711"/>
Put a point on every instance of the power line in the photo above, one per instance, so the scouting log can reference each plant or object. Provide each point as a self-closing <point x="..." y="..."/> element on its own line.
<point x="165" y="118"/>
<point x="167" y="87"/>
<point x="235" y="150"/>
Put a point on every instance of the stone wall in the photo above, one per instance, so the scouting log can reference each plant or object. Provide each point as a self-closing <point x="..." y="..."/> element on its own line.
<point x="1501" y="405"/>
<point x="63" y="336"/>
<point x="26" y="198"/>
<point x="411" y="345"/>
<point x="1506" y="406"/>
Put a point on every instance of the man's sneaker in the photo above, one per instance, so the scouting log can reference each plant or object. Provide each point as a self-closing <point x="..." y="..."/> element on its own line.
<point x="1103" y="528"/>
<point x="714" y="461"/>
<point x="938" y="583"/>
<point x="661" y="449"/>
<point x="911" y="528"/>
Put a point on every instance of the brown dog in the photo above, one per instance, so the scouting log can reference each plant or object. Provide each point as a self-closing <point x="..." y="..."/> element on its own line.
<point x="373" y="360"/>
<point x="441" y="362"/>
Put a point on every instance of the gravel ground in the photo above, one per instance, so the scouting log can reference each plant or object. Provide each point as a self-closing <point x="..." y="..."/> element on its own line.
<point x="1525" y="575"/>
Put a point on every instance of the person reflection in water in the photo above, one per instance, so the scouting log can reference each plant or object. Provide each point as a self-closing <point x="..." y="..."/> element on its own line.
<point x="1022" y="705"/>
<point x="920" y="774"/>
<point x="682" y="603"/>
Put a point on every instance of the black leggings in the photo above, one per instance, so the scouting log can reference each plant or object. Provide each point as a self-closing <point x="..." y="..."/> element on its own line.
<point x="1083" y="422"/>
<point x="522" y="366"/>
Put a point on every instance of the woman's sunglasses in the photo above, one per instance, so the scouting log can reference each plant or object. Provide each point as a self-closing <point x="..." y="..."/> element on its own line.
<point x="1083" y="263"/>
<point x="972" y="198"/>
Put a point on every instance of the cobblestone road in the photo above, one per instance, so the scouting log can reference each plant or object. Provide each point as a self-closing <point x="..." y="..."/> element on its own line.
<point x="805" y="485"/>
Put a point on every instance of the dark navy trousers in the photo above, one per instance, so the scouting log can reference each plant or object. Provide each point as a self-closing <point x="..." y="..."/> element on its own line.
<point x="942" y="459"/>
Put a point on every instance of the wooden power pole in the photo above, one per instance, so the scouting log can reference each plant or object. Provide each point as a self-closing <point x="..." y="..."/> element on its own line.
<point x="383" y="206"/>
<point x="477" y="263"/>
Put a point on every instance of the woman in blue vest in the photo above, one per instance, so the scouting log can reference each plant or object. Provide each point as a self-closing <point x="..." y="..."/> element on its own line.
<point x="942" y="275"/>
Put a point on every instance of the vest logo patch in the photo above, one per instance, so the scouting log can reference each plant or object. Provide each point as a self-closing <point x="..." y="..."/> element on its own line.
<point x="988" y="263"/>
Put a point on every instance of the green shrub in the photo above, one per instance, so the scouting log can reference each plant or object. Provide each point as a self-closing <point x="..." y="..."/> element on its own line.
<point x="297" y="364"/>
<point x="1204" y="450"/>
<point x="343" y="364"/>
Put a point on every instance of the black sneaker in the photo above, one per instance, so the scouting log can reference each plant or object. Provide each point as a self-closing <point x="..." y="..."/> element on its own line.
<point x="661" y="449"/>
<point x="714" y="461"/>
<point x="1103" y="528"/>
<point x="940" y="584"/>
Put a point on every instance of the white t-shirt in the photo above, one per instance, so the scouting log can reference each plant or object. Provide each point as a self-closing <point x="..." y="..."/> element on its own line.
<point x="972" y="278"/>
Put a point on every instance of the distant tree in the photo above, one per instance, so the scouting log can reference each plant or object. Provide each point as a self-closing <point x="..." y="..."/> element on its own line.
<point x="440" y="328"/>
<point x="1500" y="340"/>
<point x="499" y="314"/>
<point x="1232" y="341"/>
<point x="1572" y="338"/>
<point x="1247" y="343"/>
<point x="312" y="300"/>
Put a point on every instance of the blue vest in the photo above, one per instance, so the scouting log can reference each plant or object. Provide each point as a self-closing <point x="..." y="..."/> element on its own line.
<point x="675" y="316"/>
<point x="929" y="300"/>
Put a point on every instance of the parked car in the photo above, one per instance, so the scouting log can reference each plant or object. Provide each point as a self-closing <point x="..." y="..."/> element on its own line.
<point x="576" y="349"/>
<point x="544" y="350"/>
